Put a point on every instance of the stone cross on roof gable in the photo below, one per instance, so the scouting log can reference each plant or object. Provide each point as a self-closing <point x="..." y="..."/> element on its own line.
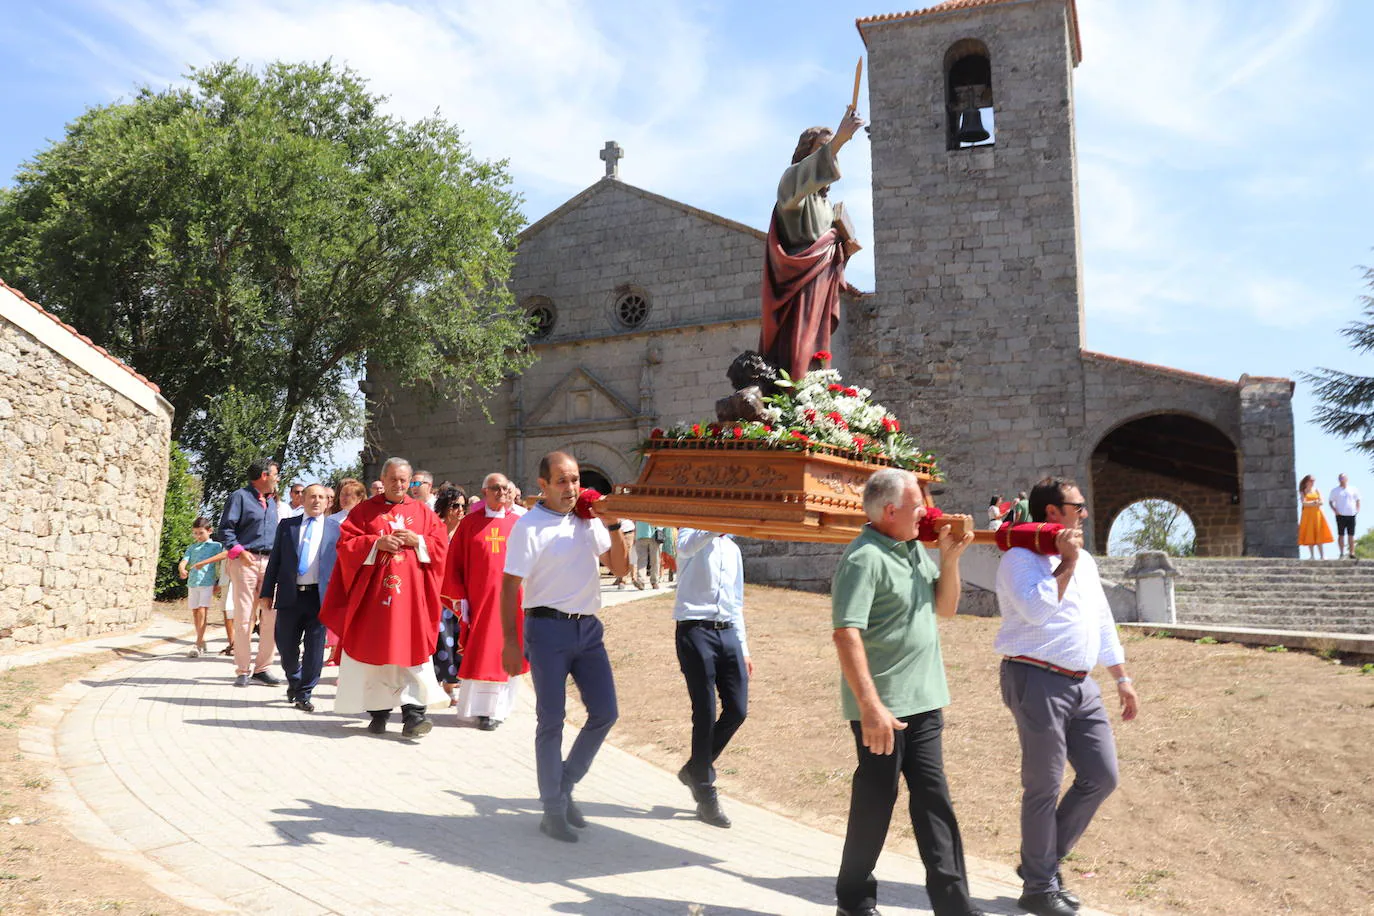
<point x="611" y="154"/>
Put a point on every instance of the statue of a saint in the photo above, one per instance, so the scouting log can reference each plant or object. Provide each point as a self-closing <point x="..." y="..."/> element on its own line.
<point x="803" y="269"/>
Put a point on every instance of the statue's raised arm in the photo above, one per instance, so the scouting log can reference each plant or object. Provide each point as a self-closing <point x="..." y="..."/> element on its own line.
<point x="809" y="242"/>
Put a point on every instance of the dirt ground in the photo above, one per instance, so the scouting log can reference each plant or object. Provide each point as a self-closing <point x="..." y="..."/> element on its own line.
<point x="1246" y="784"/>
<point x="43" y="869"/>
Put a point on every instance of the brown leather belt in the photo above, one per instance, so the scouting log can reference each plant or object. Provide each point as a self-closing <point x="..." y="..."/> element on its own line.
<point x="1037" y="663"/>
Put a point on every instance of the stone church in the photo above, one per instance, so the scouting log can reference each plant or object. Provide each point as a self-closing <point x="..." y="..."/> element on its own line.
<point x="974" y="334"/>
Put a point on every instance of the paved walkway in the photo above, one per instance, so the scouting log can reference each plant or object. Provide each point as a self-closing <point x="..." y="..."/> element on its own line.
<point x="232" y="801"/>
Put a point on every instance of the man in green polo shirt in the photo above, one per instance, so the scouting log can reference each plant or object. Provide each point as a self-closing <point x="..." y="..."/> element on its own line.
<point x="886" y="593"/>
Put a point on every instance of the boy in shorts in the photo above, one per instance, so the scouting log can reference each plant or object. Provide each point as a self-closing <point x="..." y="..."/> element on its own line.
<point x="201" y="578"/>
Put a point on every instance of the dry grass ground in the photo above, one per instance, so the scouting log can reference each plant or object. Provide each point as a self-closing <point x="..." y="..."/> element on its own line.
<point x="43" y="869"/>
<point x="1246" y="781"/>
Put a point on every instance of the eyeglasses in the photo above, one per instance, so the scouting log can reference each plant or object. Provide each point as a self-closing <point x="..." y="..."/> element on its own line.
<point x="1081" y="508"/>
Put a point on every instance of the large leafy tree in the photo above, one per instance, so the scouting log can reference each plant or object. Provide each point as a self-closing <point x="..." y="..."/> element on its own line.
<point x="1154" y="524"/>
<point x="1347" y="400"/>
<point x="249" y="239"/>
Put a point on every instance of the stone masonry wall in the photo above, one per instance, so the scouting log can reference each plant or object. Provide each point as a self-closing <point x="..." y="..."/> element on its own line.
<point x="1215" y="517"/>
<point x="84" y="472"/>
<point x="1268" y="478"/>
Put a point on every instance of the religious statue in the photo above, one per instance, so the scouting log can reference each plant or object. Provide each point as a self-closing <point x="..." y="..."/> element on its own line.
<point x="809" y="242"/>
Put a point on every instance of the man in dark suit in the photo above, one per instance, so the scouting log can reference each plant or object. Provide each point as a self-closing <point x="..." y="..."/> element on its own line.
<point x="298" y="573"/>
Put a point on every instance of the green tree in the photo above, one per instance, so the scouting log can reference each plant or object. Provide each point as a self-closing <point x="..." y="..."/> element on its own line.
<point x="1347" y="400"/>
<point x="249" y="239"/>
<point x="180" y="507"/>
<point x="1364" y="546"/>
<point x="1153" y="524"/>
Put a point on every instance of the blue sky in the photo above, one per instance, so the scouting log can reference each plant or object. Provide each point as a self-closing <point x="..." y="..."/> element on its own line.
<point x="1225" y="148"/>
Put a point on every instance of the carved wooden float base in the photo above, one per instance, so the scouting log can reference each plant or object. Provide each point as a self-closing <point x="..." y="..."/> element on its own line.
<point x="743" y="489"/>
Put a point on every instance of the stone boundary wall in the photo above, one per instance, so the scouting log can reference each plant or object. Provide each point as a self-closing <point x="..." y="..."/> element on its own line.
<point x="84" y="471"/>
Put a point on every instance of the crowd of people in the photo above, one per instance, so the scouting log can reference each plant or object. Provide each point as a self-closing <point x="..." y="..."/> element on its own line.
<point x="431" y="600"/>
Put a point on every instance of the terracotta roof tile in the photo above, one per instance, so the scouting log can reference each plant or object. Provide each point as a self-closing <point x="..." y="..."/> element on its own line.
<point x="1161" y="370"/>
<point x="74" y="332"/>
<point x="954" y="6"/>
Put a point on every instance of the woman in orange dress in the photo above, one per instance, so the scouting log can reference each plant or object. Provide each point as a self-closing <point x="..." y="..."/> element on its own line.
<point x="1313" y="531"/>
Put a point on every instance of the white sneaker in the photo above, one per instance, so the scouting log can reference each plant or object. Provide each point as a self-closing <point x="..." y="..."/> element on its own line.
<point x="193" y="652"/>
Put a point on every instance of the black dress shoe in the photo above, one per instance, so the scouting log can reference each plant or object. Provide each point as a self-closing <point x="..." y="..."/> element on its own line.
<point x="1050" y="903"/>
<point x="1069" y="896"/>
<point x="487" y="723"/>
<point x="709" y="811"/>
<point x="575" y="817"/>
<point x="417" y="728"/>
<point x="378" y="724"/>
<point x="266" y="677"/>
<point x="686" y="779"/>
<point x="290" y="694"/>
<point x="556" y="826"/>
<point x="857" y="911"/>
<point x="305" y="706"/>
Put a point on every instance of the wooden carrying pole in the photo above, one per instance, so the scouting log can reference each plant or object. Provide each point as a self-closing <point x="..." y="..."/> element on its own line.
<point x="858" y="77"/>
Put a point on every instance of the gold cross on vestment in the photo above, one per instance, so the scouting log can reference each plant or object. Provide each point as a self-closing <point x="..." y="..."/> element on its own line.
<point x="495" y="539"/>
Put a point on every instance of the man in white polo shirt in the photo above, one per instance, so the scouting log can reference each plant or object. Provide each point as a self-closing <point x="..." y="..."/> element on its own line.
<point x="553" y="554"/>
<point x="1345" y="502"/>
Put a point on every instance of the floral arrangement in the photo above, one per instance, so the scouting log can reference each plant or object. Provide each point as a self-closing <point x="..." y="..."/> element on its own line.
<point x="818" y="409"/>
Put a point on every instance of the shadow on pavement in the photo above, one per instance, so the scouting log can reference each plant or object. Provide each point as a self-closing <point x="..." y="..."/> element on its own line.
<point x="506" y="842"/>
<point x="821" y="891"/>
<point x="601" y="903"/>
<point x="491" y="804"/>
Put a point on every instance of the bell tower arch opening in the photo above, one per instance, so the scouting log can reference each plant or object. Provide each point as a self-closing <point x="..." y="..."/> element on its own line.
<point x="969" y="118"/>
<point x="1172" y="458"/>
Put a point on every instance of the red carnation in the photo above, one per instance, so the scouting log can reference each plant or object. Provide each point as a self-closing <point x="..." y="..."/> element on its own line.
<point x="851" y="392"/>
<point x="835" y="416"/>
<point x="891" y="425"/>
<point x="738" y="432"/>
<point x="860" y="442"/>
<point x="696" y="429"/>
<point x="810" y="415"/>
<point x="834" y="387"/>
<point x="656" y="434"/>
<point x="822" y="355"/>
<point x="767" y="428"/>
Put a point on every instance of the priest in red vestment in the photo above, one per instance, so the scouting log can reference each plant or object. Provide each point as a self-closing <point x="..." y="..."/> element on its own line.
<point x="472" y="587"/>
<point x="803" y="267"/>
<point x="383" y="601"/>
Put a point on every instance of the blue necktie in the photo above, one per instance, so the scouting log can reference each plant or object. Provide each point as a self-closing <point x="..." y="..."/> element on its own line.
<point x="304" y="562"/>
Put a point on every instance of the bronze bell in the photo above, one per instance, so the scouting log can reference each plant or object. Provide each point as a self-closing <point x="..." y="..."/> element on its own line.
<point x="971" y="127"/>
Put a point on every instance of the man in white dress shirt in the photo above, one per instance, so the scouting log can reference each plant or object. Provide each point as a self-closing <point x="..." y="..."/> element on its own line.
<point x="713" y="653"/>
<point x="1056" y="627"/>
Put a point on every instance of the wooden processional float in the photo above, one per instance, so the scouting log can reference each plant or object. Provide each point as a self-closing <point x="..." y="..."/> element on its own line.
<point x="748" y="489"/>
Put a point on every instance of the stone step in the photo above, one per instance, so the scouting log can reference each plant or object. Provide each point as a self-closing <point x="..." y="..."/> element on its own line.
<point x="1241" y="593"/>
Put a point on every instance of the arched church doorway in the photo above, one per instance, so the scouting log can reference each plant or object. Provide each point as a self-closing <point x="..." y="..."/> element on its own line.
<point x="1176" y="458"/>
<point x="595" y="479"/>
<point x="1152" y="524"/>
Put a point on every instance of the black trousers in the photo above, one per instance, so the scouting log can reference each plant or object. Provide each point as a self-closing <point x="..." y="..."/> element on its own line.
<point x="296" y="627"/>
<point x="918" y="758"/>
<point x="712" y="662"/>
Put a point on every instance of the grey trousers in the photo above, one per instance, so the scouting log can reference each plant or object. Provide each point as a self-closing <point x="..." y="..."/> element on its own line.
<point x="1058" y="720"/>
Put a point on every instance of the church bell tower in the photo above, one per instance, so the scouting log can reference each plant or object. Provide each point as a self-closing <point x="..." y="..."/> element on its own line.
<point x="976" y="325"/>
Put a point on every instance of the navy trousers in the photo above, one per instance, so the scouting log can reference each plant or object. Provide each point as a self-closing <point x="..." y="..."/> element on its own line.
<point x="296" y="627"/>
<point x="557" y="649"/>
<point x="711" y="661"/>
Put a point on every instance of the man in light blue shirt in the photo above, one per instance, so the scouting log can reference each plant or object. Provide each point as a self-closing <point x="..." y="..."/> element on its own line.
<point x="1056" y="627"/>
<point x="713" y="651"/>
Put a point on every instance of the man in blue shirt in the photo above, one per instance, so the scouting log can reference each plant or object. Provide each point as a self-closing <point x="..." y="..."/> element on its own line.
<point x="714" y="655"/>
<point x="247" y="528"/>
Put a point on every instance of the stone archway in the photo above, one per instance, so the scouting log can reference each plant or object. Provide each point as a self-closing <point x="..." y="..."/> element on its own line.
<point x="1178" y="458"/>
<point x="594" y="478"/>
